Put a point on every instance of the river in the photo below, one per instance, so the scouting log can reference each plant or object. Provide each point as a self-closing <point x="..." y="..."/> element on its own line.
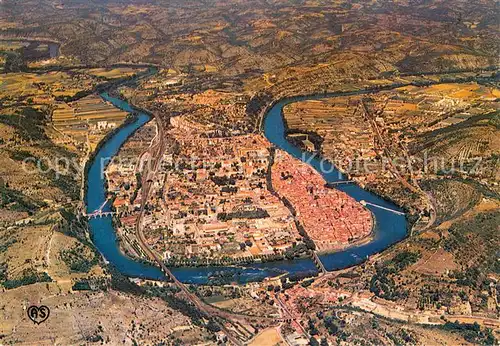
<point x="390" y="228"/>
<point x="32" y="49"/>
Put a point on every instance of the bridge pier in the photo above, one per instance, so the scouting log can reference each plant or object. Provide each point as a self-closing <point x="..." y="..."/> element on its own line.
<point x="101" y="214"/>
<point x="318" y="263"/>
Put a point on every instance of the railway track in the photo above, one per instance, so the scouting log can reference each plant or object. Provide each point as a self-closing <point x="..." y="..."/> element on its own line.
<point x="156" y="151"/>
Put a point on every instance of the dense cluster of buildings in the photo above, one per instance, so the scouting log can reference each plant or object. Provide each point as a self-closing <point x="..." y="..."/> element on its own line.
<point x="209" y="199"/>
<point x="215" y="202"/>
<point x="330" y="217"/>
<point x="124" y="185"/>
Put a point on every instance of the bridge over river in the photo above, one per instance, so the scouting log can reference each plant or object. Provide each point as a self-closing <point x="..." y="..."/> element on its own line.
<point x="390" y="223"/>
<point x="99" y="212"/>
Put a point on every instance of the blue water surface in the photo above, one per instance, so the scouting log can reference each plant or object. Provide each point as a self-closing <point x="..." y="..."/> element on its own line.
<point x="390" y="228"/>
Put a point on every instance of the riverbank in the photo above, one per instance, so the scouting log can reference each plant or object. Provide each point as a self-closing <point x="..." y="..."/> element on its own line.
<point x="331" y="218"/>
<point x="389" y="229"/>
<point x="358" y="242"/>
<point x="105" y="238"/>
<point x="287" y="100"/>
<point x="131" y="118"/>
